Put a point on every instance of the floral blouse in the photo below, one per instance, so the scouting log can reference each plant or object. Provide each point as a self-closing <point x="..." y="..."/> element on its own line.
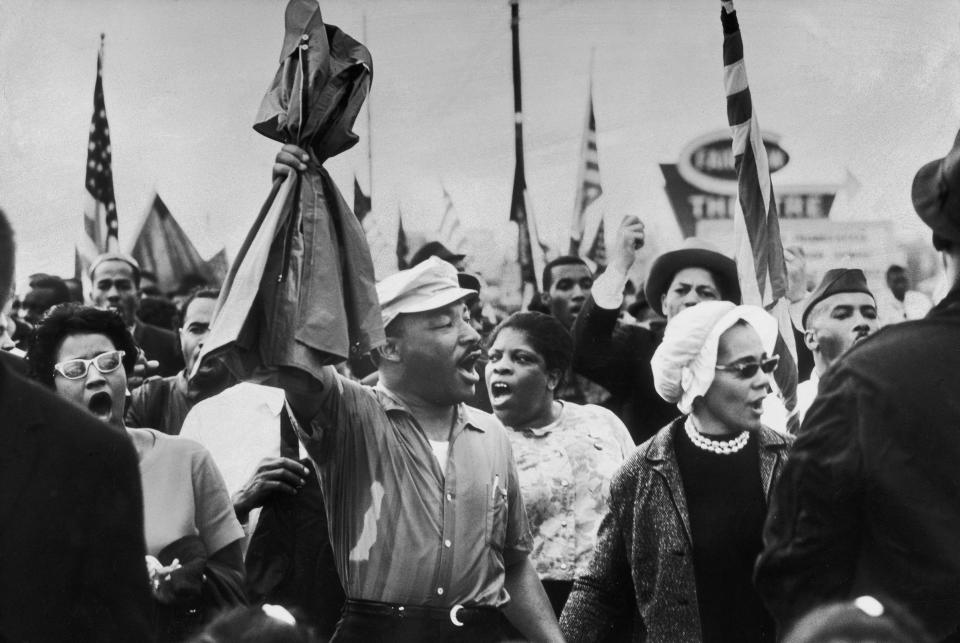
<point x="565" y="470"/>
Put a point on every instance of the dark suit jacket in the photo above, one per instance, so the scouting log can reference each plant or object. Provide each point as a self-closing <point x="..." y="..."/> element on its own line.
<point x="870" y="500"/>
<point x="71" y="523"/>
<point x="617" y="357"/>
<point x="159" y="344"/>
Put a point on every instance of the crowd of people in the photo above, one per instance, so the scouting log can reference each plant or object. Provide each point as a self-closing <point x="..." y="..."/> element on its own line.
<point x="607" y="465"/>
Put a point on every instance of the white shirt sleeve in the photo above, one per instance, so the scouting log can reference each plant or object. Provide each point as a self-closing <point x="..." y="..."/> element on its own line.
<point x="608" y="288"/>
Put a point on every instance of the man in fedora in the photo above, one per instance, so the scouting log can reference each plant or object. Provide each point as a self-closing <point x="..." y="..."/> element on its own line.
<point x="840" y="312"/>
<point x="617" y="356"/>
<point x="868" y="501"/>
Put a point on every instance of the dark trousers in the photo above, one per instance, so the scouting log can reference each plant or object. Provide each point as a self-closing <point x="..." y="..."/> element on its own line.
<point x="365" y="628"/>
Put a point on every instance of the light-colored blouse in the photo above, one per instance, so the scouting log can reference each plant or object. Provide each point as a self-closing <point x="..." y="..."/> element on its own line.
<point x="565" y="470"/>
<point x="183" y="493"/>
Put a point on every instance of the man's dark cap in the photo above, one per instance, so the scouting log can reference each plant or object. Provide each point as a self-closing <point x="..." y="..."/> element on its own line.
<point x="936" y="194"/>
<point x="435" y="249"/>
<point x="836" y="281"/>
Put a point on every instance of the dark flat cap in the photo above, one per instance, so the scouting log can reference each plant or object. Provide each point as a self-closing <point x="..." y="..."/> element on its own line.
<point x="695" y="253"/>
<point x="435" y="249"/>
<point x="834" y="282"/>
<point x="936" y="193"/>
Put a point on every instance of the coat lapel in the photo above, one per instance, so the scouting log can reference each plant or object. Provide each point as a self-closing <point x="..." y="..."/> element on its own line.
<point x="664" y="461"/>
<point x="772" y="447"/>
<point x="19" y="440"/>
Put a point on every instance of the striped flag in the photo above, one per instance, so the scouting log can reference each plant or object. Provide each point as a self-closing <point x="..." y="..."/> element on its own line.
<point x="761" y="266"/>
<point x="588" y="187"/>
<point x="100" y="211"/>
<point x="362" y="203"/>
<point x="451" y="234"/>
<point x="403" y="247"/>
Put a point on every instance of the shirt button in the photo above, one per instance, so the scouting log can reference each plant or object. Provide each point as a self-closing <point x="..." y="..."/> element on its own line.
<point x="447" y="543"/>
<point x="450" y="497"/>
<point x="439" y="591"/>
<point x="563" y="565"/>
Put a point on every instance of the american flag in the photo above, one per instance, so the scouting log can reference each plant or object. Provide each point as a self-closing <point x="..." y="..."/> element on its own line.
<point x="451" y="234"/>
<point x="588" y="190"/>
<point x="761" y="266"/>
<point x="403" y="248"/>
<point x="100" y="213"/>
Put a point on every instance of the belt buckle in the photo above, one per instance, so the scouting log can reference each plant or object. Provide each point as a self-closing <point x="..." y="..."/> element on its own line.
<point x="453" y="615"/>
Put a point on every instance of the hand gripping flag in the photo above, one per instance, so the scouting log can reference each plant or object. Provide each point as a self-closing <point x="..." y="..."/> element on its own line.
<point x="301" y="293"/>
<point x="761" y="266"/>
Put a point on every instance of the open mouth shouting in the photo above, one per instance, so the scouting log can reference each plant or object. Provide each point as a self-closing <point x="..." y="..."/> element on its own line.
<point x="757" y="406"/>
<point x="499" y="391"/>
<point x="101" y="405"/>
<point x="467" y="365"/>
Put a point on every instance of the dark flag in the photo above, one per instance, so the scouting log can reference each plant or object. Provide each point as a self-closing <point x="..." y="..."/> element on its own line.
<point x="362" y="203"/>
<point x="100" y="211"/>
<point x="760" y="262"/>
<point x="163" y="248"/>
<point x="403" y="248"/>
<point x="520" y="211"/>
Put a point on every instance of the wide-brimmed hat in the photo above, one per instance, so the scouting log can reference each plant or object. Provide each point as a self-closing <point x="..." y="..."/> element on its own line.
<point x="435" y="249"/>
<point x="936" y="193"/>
<point x="427" y="286"/>
<point x="694" y="253"/>
<point x="834" y="282"/>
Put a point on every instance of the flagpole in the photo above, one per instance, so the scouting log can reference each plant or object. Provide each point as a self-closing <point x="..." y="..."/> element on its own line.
<point x="369" y="124"/>
<point x="519" y="210"/>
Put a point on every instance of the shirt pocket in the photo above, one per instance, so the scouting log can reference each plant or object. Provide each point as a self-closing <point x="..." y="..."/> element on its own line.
<point x="496" y="518"/>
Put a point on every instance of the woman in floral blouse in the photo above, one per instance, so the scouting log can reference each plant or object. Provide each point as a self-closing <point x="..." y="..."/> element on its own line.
<point x="566" y="453"/>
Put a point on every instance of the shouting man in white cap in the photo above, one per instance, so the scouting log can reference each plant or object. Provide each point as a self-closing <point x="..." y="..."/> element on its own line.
<point x="426" y="520"/>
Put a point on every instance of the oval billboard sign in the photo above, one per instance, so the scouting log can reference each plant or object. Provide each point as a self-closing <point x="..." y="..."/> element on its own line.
<point x="708" y="161"/>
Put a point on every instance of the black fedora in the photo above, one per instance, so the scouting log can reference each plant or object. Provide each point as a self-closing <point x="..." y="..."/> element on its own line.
<point x="694" y="253"/>
<point x="435" y="249"/>
<point x="936" y="194"/>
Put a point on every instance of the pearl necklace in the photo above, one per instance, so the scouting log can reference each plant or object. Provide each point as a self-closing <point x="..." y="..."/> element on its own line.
<point x="722" y="447"/>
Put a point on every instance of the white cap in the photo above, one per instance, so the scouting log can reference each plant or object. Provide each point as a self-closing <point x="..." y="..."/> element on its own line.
<point x="429" y="285"/>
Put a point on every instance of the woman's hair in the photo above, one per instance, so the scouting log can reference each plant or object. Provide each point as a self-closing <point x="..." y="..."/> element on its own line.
<point x="864" y="619"/>
<point x="253" y="625"/>
<point x="546" y="335"/>
<point x="64" y="320"/>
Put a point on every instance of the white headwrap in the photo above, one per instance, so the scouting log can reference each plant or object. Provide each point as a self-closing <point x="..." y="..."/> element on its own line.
<point x="685" y="362"/>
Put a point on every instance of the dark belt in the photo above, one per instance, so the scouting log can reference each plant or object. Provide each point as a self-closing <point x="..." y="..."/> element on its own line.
<point x="458" y="615"/>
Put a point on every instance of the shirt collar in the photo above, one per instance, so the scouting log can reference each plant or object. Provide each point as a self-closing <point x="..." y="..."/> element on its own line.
<point x="391" y="402"/>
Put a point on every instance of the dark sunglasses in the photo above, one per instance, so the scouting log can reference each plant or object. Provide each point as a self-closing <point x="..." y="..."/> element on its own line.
<point x="74" y="369"/>
<point x="746" y="370"/>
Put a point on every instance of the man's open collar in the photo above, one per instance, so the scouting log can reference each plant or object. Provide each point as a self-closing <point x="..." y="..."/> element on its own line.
<point x="391" y="402"/>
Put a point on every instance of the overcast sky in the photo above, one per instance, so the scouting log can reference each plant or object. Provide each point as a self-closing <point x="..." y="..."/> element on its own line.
<point x="859" y="85"/>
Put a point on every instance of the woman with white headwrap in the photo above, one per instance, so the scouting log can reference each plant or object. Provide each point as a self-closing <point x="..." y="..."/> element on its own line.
<point x="677" y="547"/>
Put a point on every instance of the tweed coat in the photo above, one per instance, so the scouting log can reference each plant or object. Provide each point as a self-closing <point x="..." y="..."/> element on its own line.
<point x="643" y="562"/>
